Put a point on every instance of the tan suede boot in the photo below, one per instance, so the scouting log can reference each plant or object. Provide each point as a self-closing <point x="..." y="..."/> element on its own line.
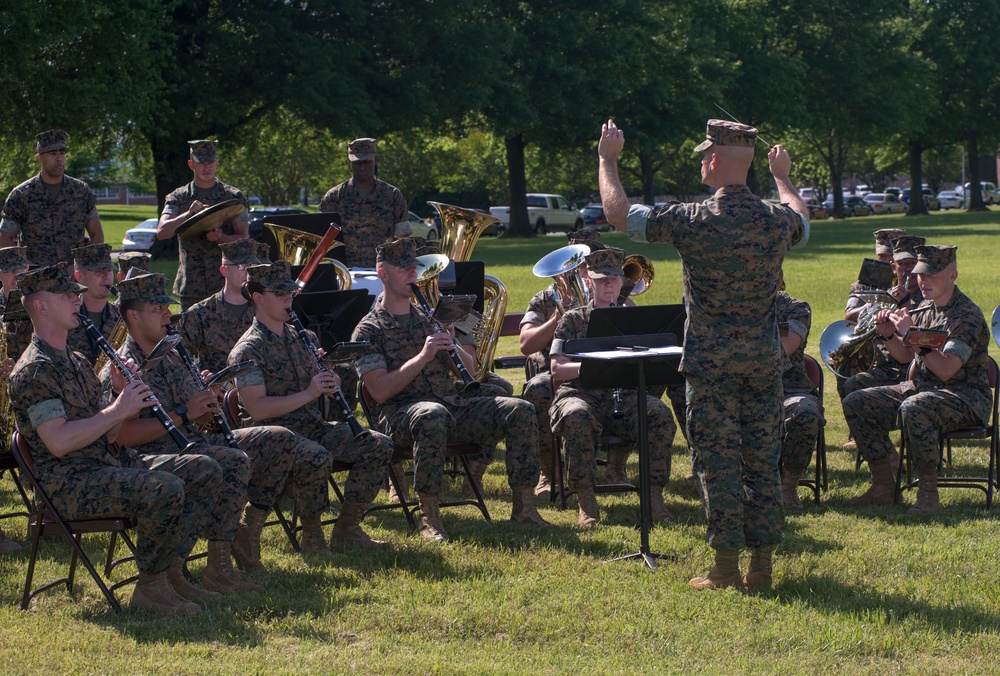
<point x="759" y="574"/>
<point x="478" y="468"/>
<point x="883" y="488"/>
<point x="725" y="573"/>
<point x="8" y="546"/>
<point x="186" y="589"/>
<point x="431" y="527"/>
<point x="927" y="493"/>
<point x="790" y="488"/>
<point x="313" y="540"/>
<point x="397" y="470"/>
<point x="153" y="593"/>
<point x="614" y="471"/>
<point x="246" y="545"/>
<point x="523" y="507"/>
<point x="544" y="487"/>
<point x="590" y="513"/>
<point x="347" y="530"/>
<point x="219" y="573"/>
<point x="657" y="510"/>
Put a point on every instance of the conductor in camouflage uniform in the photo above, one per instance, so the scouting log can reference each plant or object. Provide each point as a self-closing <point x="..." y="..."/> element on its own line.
<point x="92" y="267"/>
<point x="55" y="397"/>
<point x="951" y="388"/>
<point x="211" y="327"/>
<point x="731" y="248"/>
<point x="51" y="213"/>
<point x="581" y="415"/>
<point x="802" y="416"/>
<point x="371" y="210"/>
<point x="284" y="389"/>
<point x="200" y="257"/>
<point x="409" y="376"/>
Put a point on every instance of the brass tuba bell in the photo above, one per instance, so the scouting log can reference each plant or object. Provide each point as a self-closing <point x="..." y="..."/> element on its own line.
<point x="296" y="246"/>
<point x="564" y="266"/>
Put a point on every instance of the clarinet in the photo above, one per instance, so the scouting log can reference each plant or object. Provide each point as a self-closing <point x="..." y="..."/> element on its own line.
<point x="220" y="417"/>
<point x="471" y="384"/>
<point x="183" y="444"/>
<point x="338" y="394"/>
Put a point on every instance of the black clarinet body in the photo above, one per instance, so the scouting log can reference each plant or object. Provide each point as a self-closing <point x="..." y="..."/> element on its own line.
<point x="471" y="385"/>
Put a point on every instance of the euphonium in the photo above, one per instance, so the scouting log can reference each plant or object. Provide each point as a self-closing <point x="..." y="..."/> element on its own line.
<point x="564" y="266"/>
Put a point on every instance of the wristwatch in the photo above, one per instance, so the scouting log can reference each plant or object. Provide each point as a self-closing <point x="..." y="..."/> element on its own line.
<point x="182" y="411"/>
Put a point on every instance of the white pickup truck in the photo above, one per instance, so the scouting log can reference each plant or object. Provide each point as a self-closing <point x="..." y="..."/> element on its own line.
<point x="545" y="212"/>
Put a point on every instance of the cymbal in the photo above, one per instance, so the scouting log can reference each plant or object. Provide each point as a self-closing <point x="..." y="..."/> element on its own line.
<point x="209" y="219"/>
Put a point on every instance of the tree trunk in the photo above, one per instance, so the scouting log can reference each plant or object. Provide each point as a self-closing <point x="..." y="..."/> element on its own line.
<point x="974" y="195"/>
<point x="170" y="168"/>
<point x="646" y="171"/>
<point x="917" y="206"/>
<point x="520" y="226"/>
<point x="836" y="180"/>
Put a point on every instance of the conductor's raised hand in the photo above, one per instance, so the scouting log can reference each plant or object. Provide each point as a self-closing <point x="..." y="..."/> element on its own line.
<point x="611" y="143"/>
<point x="779" y="162"/>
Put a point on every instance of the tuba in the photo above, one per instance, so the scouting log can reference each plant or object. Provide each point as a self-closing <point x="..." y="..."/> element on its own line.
<point x="296" y="247"/>
<point x="460" y="228"/>
<point x="564" y="267"/>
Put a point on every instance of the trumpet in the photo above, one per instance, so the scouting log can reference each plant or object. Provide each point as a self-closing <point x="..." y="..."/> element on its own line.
<point x="471" y="384"/>
<point x="183" y="444"/>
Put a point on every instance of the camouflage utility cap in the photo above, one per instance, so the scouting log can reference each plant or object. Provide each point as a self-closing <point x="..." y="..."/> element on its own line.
<point x="361" y="149"/>
<point x="203" y="150"/>
<point x="275" y="277"/>
<point x="587" y="236"/>
<point x="129" y="260"/>
<point x="883" y="240"/>
<point x="726" y="133"/>
<point x="240" y="252"/>
<point x="15" y="308"/>
<point x="53" y="139"/>
<point x="906" y="247"/>
<point x="934" y="259"/>
<point x="605" y="262"/>
<point x="149" y="288"/>
<point x="54" y="279"/>
<point x="402" y="253"/>
<point x="13" y="259"/>
<point x="263" y="252"/>
<point x="96" y="257"/>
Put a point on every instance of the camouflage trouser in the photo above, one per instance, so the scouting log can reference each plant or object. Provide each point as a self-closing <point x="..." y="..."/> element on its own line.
<point x="538" y="392"/>
<point x="582" y="417"/>
<point x="165" y="494"/>
<point x="872" y="413"/>
<point x="733" y="423"/>
<point x="221" y="522"/>
<point x="879" y="376"/>
<point x="272" y="451"/>
<point x="428" y="426"/>
<point x="369" y="456"/>
<point x="800" y="427"/>
<point x="492" y="386"/>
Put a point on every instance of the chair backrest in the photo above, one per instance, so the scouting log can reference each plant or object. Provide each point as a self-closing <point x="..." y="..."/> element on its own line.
<point x="231" y="407"/>
<point x="365" y="397"/>
<point x="22" y="453"/>
<point x="815" y="374"/>
<point x="511" y="325"/>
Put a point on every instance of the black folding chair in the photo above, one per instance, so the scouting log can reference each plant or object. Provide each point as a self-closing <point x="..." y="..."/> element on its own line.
<point x="819" y="483"/>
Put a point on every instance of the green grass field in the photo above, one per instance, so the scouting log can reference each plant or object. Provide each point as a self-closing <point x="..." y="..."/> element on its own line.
<point x="857" y="590"/>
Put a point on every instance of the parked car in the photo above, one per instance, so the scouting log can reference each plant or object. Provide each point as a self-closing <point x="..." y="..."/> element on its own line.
<point x="951" y="199"/>
<point x="593" y="217"/>
<point x="884" y="203"/>
<point x="429" y="229"/>
<point x="930" y="201"/>
<point x="853" y="206"/>
<point x="893" y="191"/>
<point x="990" y="193"/>
<point x="258" y="215"/>
<point x="817" y="211"/>
<point x="143" y="238"/>
<point x="545" y="212"/>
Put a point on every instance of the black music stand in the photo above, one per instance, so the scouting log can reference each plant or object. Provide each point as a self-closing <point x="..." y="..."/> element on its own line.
<point x="332" y="315"/>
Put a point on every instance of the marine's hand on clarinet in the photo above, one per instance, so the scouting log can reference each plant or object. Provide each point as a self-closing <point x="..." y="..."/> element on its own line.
<point x="202" y="403"/>
<point x="324" y="382"/>
<point x="134" y="397"/>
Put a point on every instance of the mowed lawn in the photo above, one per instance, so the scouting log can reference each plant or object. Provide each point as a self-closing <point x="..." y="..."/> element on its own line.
<point x="856" y="589"/>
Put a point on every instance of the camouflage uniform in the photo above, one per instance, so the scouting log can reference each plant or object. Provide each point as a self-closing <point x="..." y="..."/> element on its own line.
<point x="79" y="339"/>
<point x="427" y="413"/>
<point x="538" y="389"/>
<point x="198" y="273"/>
<point x="731" y="247"/>
<point x="368" y="219"/>
<point x="580" y="416"/>
<point x="169" y="496"/>
<point x="210" y="329"/>
<point x="285" y="367"/>
<point x="926" y="405"/>
<point x="802" y="417"/>
<point x="18" y="328"/>
<point x="133" y="259"/>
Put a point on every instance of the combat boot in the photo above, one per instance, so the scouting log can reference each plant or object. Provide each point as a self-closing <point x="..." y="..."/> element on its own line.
<point x="614" y="471"/>
<point x="477" y="468"/>
<point x="724" y="573"/>
<point x="431" y="527"/>
<point x="759" y="574"/>
<point x="347" y="529"/>
<point x="153" y="593"/>
<point x="219" y="573"/>
<point x="397" y="471"/>
<point x="246" y="545"/>
<point x="927" y="493"/>
<point x="590" y="513"/>
<point x="657" y="510"/>
<point x="790" y="488"/>
<point x="883" y="488"/>
<point x="523" y="507"/>
<point x="186" y="589"/>
<point x="8" y="546"/>
<point x="544" y="487"/>
<point x="313" y="540"/>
